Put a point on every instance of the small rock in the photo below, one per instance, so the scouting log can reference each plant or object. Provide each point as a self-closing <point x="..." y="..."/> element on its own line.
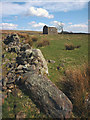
<point x="9" y="91"/>
<point x="25" y="62"/>
<point x="20" y="67"/>
<point x="19" y="72"/>
<point x="11" y="80"/>
<point x="25" y="47"/>
<point x="28" y="52"/>
<point x="6" y="49"/>
<point x="62" y="64"/>
<point x="4" y="88"/>
<point x="4" y="81"/>
<point x="9" y="75"/>
<point x="20" y="115"/>
<point x="27" y="65"/>
<point x="51" y="61"/>
<point x="10" y="86"/>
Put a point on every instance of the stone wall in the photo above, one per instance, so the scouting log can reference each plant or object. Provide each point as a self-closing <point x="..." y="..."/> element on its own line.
<point x="52" y="30"/>
<point x="30" y="70"/>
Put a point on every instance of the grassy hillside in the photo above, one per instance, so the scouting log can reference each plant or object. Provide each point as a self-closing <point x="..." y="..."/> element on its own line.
<point x="64" y="60"/>
<point x="56" y="51"/>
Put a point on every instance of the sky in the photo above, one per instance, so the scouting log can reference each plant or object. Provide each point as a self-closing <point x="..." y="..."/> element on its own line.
<point x="34" y="14"/>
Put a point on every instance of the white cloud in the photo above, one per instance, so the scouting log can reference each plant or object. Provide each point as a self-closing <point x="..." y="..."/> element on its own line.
<point x="40" y="12"/>
<point x="45" y="0"/>
<point x="79" y="25"/>
<point x="8" y="26"/>
<point x="65" y="6"/>
<point x="55" y="23"/>
<point x="77" y="28"/>
<point x="44" y="7"/>
<point x="36" y="26"/>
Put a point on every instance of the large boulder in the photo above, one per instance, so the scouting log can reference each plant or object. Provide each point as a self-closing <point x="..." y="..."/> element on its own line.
<point x="38" y="54"/>
<point x="53" y="102"/>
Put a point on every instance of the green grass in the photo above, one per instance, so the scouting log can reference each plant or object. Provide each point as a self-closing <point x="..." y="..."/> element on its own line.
<point x="24" y="104"/>
<point x="56" y="51"/>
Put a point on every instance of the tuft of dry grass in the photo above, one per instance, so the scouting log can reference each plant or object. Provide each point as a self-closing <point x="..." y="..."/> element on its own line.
<point x="34" y="38"/>
<point x="76" y="87"/>
<point x="29" y="40"/>
<point x="43" y="43"/>
<point x="70" y="46"/>
<point x="22" y="35"/>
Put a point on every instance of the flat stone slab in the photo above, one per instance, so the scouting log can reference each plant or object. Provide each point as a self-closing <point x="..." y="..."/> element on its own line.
<point x="53" y="102"/>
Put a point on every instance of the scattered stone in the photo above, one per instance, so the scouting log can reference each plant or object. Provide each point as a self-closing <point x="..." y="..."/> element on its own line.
<point x="51" y="61"/>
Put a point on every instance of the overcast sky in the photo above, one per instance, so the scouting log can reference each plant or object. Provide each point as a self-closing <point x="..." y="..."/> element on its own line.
<point x="33" y="15"/>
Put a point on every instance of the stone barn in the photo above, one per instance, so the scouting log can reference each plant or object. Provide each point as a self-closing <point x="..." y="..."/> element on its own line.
<point x="49" y="30"/>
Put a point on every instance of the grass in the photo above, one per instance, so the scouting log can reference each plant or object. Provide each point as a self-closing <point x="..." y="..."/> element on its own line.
<point x="76" y="87"/>
<point x="70" y="46"/>
<point x="43" y="43"/>
<point x="24" y="104"/>
<point x="34" y="38"/>
<point x="56" y="51"/>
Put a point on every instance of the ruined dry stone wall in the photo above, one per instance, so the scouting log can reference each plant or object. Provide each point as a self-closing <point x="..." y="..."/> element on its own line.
<point x="30" y="69"/>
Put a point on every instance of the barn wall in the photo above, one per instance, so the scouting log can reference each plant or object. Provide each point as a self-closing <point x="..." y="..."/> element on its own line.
<point x="52" y="30"/>
<point x="49" y="30"/>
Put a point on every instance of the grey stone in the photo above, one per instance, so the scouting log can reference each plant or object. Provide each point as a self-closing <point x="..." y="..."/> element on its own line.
<point x="25" y="47"/>
<point x="10" y="86"/>
<point x="28" y="52"/>
<point x="47" y="96"/>
<point x="20" y="67"/>
<point x="4" y="81"/>
<point x="11" y="38"/>
<point x="39" y="55"/>
<point x="51" y="61"/>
